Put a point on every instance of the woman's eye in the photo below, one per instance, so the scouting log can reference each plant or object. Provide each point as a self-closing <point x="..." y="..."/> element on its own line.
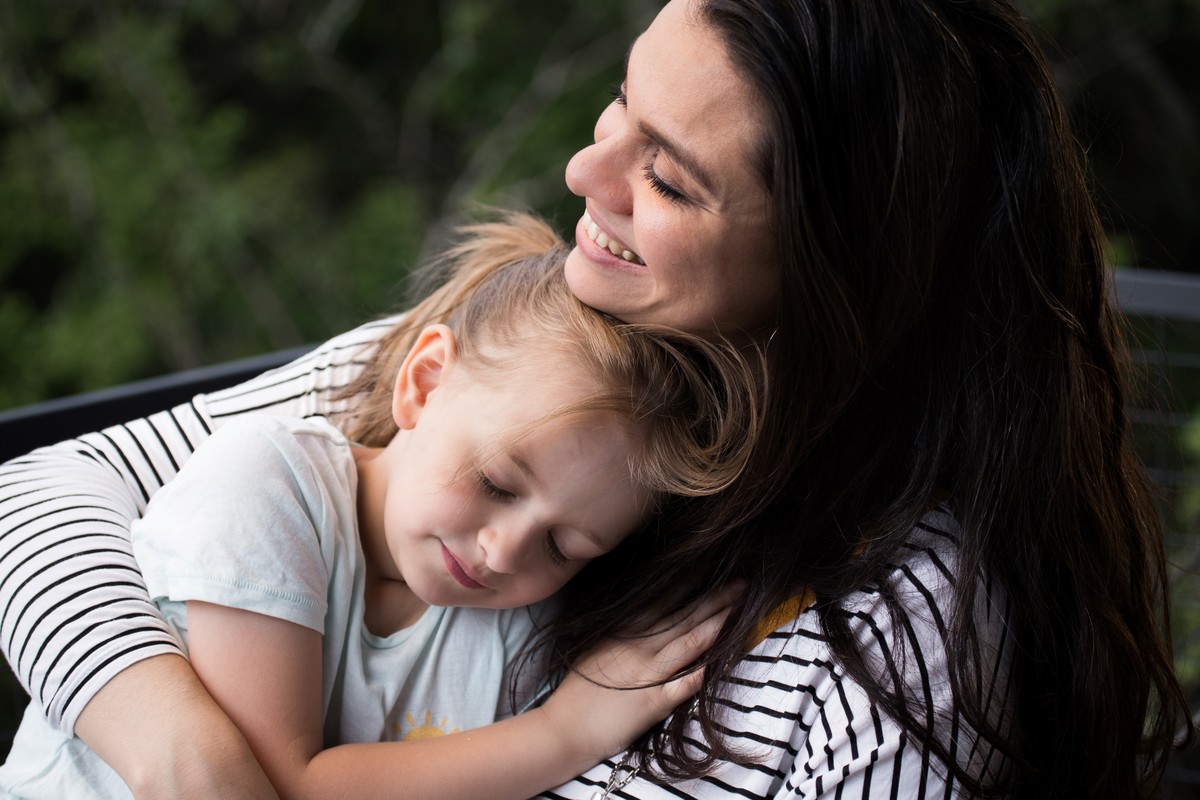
<point x="488" y="487"/>
<point x="556" y="555"/>
<point x="617" y="90"/>
<point x="662" y="187"/>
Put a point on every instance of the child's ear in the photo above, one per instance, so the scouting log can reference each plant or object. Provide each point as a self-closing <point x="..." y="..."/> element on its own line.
<point x="424" y="368"/>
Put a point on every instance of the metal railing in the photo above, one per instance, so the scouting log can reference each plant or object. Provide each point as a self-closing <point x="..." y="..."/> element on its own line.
<point x="24" y="428"/>
<point x="1164" y="312"/>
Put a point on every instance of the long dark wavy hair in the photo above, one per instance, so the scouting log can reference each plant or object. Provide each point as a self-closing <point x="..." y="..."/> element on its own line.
<point x="944" y="332"/>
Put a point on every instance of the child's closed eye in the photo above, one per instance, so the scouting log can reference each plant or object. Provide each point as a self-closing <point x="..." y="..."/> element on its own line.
<point x="489" y="488"/>
<point x="552" y="549"/>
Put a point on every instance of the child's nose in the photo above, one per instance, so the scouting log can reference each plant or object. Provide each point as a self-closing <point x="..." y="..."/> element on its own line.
<point x="505" y="546"/>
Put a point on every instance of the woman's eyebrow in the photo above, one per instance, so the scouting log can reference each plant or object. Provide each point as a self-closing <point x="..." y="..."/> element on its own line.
<point x="677" y="154"/>
<point x="685" y="160"/>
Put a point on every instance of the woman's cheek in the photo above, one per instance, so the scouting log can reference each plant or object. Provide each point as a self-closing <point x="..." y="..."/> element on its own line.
<point x="660" y="244"/>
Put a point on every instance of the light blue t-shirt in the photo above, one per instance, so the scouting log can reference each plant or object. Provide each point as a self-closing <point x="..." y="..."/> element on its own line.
<point x="262" y="517"/>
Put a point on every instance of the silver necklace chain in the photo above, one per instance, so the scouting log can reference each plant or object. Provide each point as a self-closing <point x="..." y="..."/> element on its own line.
<point x="620" y="776"/>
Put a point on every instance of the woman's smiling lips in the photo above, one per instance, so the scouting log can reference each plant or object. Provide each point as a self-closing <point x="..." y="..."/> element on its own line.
<point x="458" y="571"/>
<point x="603" y="248"/>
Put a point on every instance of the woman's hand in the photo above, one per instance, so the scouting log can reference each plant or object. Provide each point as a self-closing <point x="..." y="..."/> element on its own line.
<point x="625" y="685"/>
<point x="155" y="724"/>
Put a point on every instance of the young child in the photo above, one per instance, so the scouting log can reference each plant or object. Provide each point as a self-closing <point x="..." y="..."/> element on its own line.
<point x="334" y="596"/>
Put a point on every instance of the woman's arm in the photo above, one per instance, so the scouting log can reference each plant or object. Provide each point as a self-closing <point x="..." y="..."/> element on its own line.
<point x="172" y="741"/>
<point x="73" y="609"/>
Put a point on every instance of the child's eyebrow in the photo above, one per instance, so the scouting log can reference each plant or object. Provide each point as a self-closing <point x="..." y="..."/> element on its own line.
<point x="525" y="467"/>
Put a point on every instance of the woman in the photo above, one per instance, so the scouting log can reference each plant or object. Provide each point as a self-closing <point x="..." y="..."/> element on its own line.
<point x="886" y="196"/>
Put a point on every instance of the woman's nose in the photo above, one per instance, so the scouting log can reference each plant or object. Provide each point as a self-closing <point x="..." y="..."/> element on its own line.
<point x="602" y="171"/>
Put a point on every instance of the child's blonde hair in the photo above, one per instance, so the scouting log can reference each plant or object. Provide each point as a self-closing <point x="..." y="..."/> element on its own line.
<point x="695" y="403"/>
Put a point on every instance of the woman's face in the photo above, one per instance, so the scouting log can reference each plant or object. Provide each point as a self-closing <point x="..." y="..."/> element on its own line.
<point x="676" y="230"/>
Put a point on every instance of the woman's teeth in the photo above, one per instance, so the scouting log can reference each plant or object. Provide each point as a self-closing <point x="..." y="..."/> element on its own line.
<point x="601" y="238"/>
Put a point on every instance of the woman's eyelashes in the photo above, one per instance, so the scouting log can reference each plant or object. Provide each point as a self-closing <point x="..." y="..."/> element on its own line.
<point x="664" y="189"/>
<point x="660" y="186"/>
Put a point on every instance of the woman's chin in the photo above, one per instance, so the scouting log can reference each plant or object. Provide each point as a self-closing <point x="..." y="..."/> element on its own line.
<point x="603" y="287"/>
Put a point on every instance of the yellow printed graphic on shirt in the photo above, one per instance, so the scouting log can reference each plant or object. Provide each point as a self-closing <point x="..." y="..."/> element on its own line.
<point x="426" y="730"/>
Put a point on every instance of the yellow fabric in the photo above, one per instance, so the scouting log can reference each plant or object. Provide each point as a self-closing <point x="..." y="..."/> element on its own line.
<point x="780" y="615"/>
<point x="792" y="608"/>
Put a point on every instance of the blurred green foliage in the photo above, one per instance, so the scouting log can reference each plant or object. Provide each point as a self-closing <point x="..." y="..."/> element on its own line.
<point x="187" y="182"/>
<point x="1166" y="416"/>
<point x="1127" y="70"/>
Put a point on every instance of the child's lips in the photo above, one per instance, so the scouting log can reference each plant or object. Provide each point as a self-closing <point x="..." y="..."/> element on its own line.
<point x="459" y="571"/>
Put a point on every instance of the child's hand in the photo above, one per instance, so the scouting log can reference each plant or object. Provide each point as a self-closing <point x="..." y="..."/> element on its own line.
<point x="615" y="693"/>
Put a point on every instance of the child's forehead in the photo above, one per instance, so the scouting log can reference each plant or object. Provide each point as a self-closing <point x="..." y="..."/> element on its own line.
<point x="580" y="428"/>
<point x="533" y="357"/>
<point x="552" y="380"/>
<point x="547" y="397"/>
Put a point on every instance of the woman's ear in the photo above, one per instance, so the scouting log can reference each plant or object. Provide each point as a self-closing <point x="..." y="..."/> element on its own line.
<point x="424" y="368"/>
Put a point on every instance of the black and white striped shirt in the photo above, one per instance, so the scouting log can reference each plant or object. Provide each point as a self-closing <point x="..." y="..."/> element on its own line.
<point x="74" y="611"/>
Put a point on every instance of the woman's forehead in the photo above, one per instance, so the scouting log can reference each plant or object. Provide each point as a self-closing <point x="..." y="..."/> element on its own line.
<point x="691" y="101"/>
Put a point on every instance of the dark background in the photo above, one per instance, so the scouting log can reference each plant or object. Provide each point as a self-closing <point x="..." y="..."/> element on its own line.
<point x="182" y="183"/>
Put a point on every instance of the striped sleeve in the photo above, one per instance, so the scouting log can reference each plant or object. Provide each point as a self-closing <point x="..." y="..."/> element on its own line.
<point x="73" y="607"/>
<point x="812" y="732"/>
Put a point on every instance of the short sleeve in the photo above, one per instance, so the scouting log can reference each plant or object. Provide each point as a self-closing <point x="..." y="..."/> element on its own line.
<point x="247" y="521"/>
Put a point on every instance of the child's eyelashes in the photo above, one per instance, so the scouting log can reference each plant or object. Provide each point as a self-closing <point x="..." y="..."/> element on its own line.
<point x="552" y="550"/>
<point x="488" y="487"/>
<point x="617" y="90"/>
<point x="501" y="495"/>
